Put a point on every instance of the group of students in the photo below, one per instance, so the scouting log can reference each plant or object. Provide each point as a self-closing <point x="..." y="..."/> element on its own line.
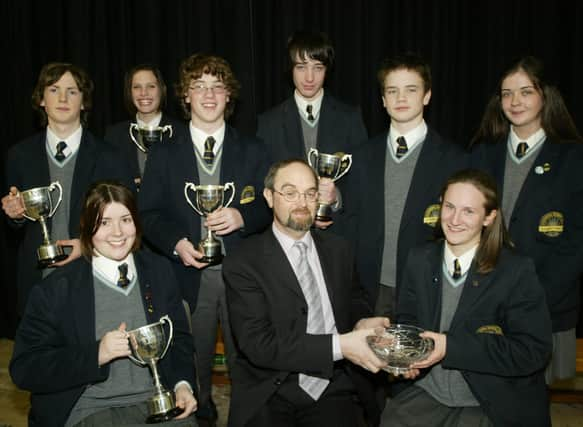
<point x="487" y="260"/>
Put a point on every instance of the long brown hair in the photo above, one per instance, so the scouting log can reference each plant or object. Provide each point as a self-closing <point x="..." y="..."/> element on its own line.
<point x="555" y="118"/>
<point x="494" y="236"/>
<point x="99" y="195"/>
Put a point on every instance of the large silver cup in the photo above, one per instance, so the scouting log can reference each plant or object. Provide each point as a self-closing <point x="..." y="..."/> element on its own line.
<point x="209" y="198"/>
<point x="148" y="135"/>
<point x="333" y="166"/>
<point x="400" y="346"/>
<point x="38" y="206"/>
<point x="149" y="344"/>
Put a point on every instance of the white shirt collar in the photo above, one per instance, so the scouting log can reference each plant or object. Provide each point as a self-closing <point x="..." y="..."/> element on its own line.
<point x="107" y="268"/>
<point x="288" y="242"/>
<point x="198" y="138"/>
<point x="73" y="141"/>
<point x="533" y="141"/>
<point x="155" y="122"/>
<point x="465" y="260"/>
<point x="413" y="137"/>
<point x="302" y="104"/>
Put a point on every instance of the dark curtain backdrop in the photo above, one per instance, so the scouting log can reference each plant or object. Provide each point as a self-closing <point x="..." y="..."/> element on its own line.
<point x="467" y="43"/>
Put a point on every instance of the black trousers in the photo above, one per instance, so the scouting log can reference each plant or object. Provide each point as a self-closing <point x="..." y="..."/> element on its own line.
<point x="290" y="406"/>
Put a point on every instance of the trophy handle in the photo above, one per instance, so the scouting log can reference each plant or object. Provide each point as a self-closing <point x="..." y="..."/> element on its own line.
<point x="168" y="128"/>
<point x="312" y="152"/>
<point x="347" y="168"/>
<point x="134" y="126"/>
<point x="190" y="185"/>
<point x="230" y="186"/>
<point x="136" y="360"/>
<point x="166" y="319"/>
<point x="24" y="214"/>
<point x="54" y="185"/>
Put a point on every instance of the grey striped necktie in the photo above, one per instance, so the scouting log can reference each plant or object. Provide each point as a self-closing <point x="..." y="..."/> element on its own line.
<point x="313" y="386"/>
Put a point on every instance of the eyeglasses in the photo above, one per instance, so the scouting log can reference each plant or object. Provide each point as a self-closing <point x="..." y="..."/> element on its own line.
<point x="201" y="88"/>
<point x="294" y="195"/>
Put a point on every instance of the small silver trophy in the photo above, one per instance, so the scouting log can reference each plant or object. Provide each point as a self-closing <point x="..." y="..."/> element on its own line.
<point x="149" y="344"/>
<point x="400" y="346"/>
<point x="209" y="198"/>
<point x="148" y="135"/>
<point x="38" y="206"/>
<point x="332" y="166"/>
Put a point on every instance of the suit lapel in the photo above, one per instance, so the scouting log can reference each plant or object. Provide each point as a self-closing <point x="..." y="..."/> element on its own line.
<point x="278" y="262"/>
<point x="433" y="278"/>
<point x="230" y="157"/>
<point x="431" y="154"/>
<point x="374" y="168"/>
<point x="185" y="160"/>
<point x="82" y="176"/>
<point x="293" y="146"/>
<point x="533" y="187"/>
<point x="328" y="261"/>
<point x="40" y="174"/>
<point x="327" y="131"/>
<point x="81" y="288"/>
<point x="474" y="287"/>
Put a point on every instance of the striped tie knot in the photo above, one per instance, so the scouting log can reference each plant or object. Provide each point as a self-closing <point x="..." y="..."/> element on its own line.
<point x="123" y="280"/>
<point x="521" y="149"/>
<point x="60" y="155"/>
<point x="401" y="147"/>
<point x="457" y="270"/>
<point x="209" y="155"/>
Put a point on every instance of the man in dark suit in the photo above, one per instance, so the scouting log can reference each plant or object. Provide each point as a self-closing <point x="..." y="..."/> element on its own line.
<point x="293" y="300"/>
<point x="66" y="152"/>
<point x="392" y="197"/>
<point x="214" y="154"/>
<point x="311" y="118"/>
<point x="145" y="97"/>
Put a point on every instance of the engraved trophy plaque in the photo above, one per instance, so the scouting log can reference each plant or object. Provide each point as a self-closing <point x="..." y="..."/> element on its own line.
<point x="332" y="166"/>
<point x="148" y="135"/>
<point x="209" y="198"/>
<point x="149" y="344"/>
<point x="38" y="206"/>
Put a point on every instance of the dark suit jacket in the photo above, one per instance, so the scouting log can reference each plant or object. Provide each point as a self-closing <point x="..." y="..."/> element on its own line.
<point x="340" y="128"/>
<point x="167" y="217"/>
<point x="55" y="353"/>
<point x="118" y="135"/>
<point x="558" y="259"/>
<point x="363" y="220"/>
<point x="268" y="314"/>
<point x="505" y="369"/>
<point x="27" y="167"/>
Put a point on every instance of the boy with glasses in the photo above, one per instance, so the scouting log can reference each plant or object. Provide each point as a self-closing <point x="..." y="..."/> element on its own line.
<point x="214" y="154"/>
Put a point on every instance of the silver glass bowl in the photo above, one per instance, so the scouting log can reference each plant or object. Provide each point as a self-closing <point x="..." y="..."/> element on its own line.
<point x="400" y="346"/>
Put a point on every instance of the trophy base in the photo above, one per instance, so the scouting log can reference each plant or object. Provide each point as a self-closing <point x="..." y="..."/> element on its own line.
<point x="211" y="252"/>
<point x="323" y="213"/>
<point x="212" y="260"/>
<point x="161" y="408"/>
<point x="50" y="254"/>
<point x="167" y="416"/>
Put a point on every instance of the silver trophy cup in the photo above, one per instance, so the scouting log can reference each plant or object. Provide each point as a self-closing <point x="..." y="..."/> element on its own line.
<point x="149" y="344"/>
<point x="209" y="198"/>
<point x="332" y="166"/>
<point x="148" y="135"/>
<point x="400" y="346"/>
<point x="38" y="206"/>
